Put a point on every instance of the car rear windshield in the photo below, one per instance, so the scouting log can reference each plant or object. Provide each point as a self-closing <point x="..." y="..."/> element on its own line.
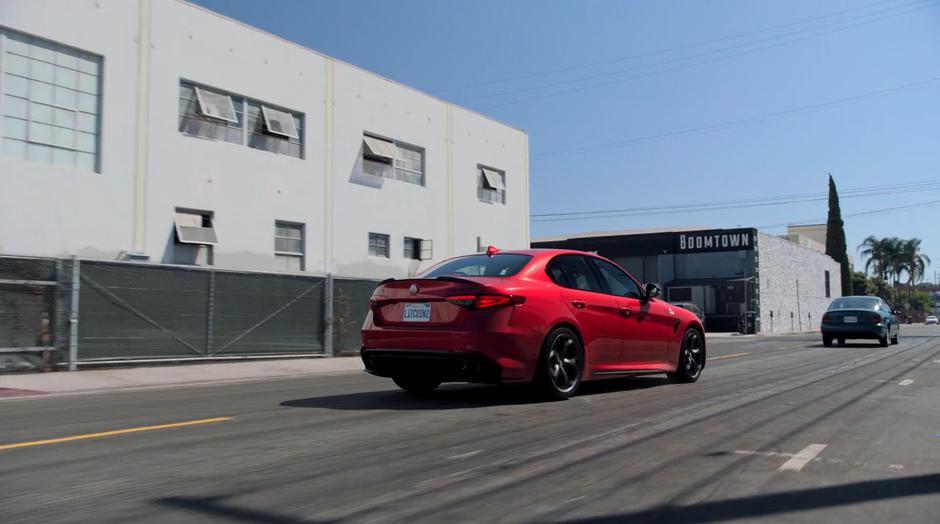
<point x="499" y="265"/>
<point x="854" y="303"/>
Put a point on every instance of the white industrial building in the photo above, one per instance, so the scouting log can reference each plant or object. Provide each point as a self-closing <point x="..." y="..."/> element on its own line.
<point x="216" y="143"/>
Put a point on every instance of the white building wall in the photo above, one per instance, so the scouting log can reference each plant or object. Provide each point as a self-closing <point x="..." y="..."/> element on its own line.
<point x="55" y="211"/>
<point x="247" y="189"/>
<point x="792" y="281"/>
<point x="51" y="211"/>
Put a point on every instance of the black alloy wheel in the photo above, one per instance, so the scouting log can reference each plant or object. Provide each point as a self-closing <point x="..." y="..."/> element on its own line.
<point x="691" y="357"/>
<point x="560" y="365"/>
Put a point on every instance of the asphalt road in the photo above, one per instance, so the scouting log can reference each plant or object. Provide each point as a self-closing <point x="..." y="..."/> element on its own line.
<point x="778" y="429"/>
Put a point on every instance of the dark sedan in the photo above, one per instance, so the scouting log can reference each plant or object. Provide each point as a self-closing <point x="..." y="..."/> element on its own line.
<point x="859" y="317"/>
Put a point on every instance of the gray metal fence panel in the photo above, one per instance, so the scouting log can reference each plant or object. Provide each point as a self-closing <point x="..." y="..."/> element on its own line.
<point x="138" y="311"/>
<point x="350" y="305"/>
<point x="32" y="315"/>
<point x="131" y="311"/>
<point x="263" y="314"/>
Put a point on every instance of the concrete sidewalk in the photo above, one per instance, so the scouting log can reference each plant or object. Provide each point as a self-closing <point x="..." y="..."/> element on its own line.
<point x="89" y="380"/>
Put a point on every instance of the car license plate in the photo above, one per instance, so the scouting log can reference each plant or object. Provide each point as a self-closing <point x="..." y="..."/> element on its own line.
<point x="416" y="313"/>
<point x="851" y="320"/>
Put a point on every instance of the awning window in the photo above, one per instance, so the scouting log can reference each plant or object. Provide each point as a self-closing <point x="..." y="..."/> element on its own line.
<point x="216" y="105"/>
<point x="382" y="148"/>
<point x="194" y="228"/>
<point x="279" y="122"/>
<point x="493" y="179"/>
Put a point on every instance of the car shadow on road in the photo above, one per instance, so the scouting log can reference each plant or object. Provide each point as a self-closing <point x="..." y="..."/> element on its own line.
<point x="769" y="505"/>
<point x="461" y="396"/>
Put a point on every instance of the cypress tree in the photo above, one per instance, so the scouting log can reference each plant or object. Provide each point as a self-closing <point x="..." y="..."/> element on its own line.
<point x="835" y="238"/>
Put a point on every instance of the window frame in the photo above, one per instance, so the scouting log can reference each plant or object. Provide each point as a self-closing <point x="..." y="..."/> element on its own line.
<point x="80" y="64"/>
<point x="490" y="195"/>
<point x="387" y="247"/>
<point x="828" y="285"/>
<point x="592" y="272"/>
<point x="207" y="220"/>
<point x="596" y="263"/>
<point x="202" y="103"/>
<point x="392" y="162"/>
<point x="248" y="129"/>
<point x="302" y="254"/>
<point x="415" y="248"/>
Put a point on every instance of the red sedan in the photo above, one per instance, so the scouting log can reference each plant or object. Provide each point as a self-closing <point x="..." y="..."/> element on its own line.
<point x="549" y="317"/>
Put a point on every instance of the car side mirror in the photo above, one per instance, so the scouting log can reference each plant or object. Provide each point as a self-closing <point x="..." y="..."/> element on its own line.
<point x="653" y="290"/>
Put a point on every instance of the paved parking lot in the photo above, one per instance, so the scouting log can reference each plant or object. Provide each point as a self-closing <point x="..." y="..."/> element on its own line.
<point x="777" y="429"/>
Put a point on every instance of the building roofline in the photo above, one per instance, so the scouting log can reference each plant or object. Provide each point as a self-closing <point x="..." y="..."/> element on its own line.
<point x="626" y="232"/>
<point x="354" y="66"/>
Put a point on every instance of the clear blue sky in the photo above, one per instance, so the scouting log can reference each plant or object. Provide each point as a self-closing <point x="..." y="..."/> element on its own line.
<point x="793" y="55"/>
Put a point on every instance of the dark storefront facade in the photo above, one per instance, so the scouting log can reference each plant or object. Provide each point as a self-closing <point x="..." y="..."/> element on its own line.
<point x="717" y="269"/>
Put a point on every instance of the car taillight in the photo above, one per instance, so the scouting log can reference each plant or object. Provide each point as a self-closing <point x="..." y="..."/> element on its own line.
<point x="876" y="318"/>
<point x="484" y="301"/>
<point x="826" y="319"/>
<point x="375" y="299"/>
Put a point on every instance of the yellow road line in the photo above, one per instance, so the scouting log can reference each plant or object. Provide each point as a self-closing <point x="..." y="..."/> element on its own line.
<point x="733" y="355"/>
<point x="112" y="432"/>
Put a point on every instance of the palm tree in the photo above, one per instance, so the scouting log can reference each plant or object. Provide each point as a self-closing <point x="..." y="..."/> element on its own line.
<point x="913" y="262"/>
<point x="873" y="251"/>
<point x="882" y="256"/>
<point x="893" y="250"/>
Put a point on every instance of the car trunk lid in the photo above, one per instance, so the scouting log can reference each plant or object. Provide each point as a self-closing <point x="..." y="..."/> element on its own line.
<point x="422" y="303"/>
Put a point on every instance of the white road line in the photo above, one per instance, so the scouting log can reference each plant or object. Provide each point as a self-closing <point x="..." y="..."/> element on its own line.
<point x="464" y="455"/>
<point x="906" y="382"/>
<point x="802" y="458"/>
<point x="936" y="361"/>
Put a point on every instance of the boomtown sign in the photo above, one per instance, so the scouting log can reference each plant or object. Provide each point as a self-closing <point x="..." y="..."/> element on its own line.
<point x="717" y="240"/>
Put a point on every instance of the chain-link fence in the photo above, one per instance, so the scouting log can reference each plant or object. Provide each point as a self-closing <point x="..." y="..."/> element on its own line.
<point x="138" y="312"/>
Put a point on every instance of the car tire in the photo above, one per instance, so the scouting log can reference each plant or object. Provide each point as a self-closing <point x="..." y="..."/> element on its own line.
<point x="827" y="341"/>
<point x="560" y="365"/>
<point x="417" y="385"/>
<point x="883" y="341"/>
<point x="894" y="339"/>
<point x="691" y="357"/>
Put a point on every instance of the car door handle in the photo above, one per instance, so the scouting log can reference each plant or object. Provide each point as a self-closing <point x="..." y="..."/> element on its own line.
<point x="625" y="311"/>
<point x="580" y="304"/>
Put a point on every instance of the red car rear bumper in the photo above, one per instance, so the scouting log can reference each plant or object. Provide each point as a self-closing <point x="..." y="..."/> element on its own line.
<point x="459" y="356"/>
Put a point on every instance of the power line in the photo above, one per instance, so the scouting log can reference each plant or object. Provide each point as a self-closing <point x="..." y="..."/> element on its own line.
<point x="706" y="53"/>
<point x="882" y="211"/>
<point x="852" y="191"/>
<point x="668" y="70"/>
<point x="732" y="123"/>
<point x="660" y="51"/>
<point x="738" y="204"/>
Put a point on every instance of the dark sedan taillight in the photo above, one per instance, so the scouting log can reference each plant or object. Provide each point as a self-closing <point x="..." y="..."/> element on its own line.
<point x="876" y="318"/>
<point x="484" y="301"/>
<point x="826" y="318"/>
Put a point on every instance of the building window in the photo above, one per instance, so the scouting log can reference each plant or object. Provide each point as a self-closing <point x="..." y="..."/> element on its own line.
<point x="51" y="102"/>
<point x="198" y="107"/>
<point x="419" y="249"/>
<point x="827" y="284"/>
<point x="195" y="236"/>
<point x="391" y="159"/>
<point x="214" y="114"/>
<point x="289" y="246"/>
<point x="274" y="130"/>
<point x="491" y="185"/>
<point x="378" y="245"/>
